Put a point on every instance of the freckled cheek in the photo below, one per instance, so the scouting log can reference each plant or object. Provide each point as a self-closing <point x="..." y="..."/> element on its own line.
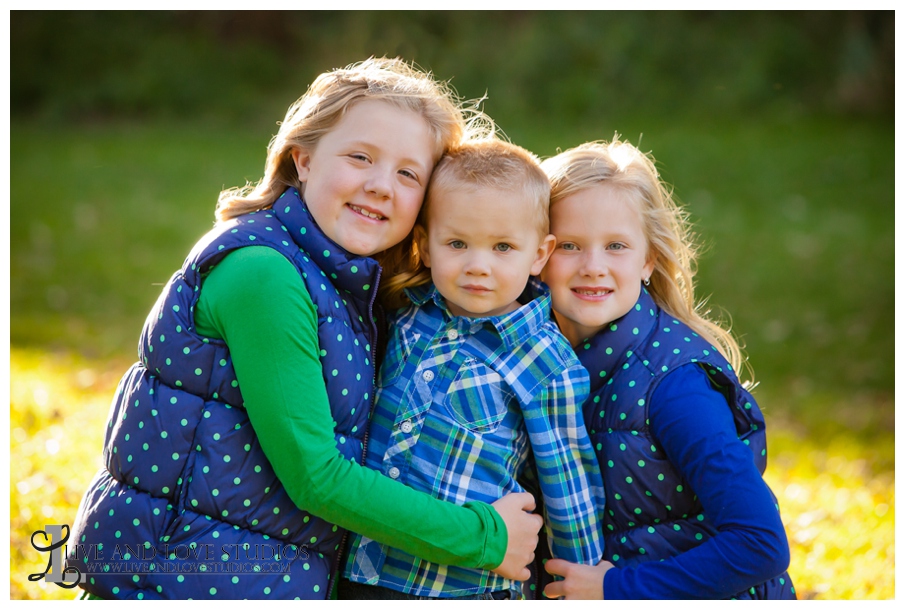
<point x="549" y="270"/>
<point x="409" y="210"/>
<point x="555" y="274"/>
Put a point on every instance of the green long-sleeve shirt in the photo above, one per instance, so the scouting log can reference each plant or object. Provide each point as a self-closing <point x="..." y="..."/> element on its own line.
<point x="257" y="303"/>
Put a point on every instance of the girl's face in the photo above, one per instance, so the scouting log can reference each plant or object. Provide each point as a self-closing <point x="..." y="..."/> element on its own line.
<point x="600" y="260"/>
<point x="365" y="180"/>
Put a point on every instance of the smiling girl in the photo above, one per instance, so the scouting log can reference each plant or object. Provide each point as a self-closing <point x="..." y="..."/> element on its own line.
<point x="680" y="441"/>
<point x="233" y="446"/>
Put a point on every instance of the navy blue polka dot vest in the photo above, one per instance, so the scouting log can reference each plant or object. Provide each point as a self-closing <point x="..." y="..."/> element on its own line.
<point x="187" y="487"/>
<point x="651" y="512"/>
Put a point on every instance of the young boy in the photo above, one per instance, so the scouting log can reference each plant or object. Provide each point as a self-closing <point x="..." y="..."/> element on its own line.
<point x="479" y="391"/>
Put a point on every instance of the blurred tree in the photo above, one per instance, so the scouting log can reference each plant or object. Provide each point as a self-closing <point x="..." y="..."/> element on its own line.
<point x="90" y="65"/>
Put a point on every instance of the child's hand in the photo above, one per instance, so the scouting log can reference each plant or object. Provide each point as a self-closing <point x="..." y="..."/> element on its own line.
<point x="522" y="527"/>
<point x="580" y="581"/>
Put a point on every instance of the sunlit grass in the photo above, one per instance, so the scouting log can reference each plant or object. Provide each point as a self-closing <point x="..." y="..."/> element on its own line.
<point x="58" y="407"/>
<point x="837" y="492"/>
<point x="838" y="505"/>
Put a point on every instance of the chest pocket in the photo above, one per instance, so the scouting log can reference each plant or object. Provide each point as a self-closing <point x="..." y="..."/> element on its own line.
<point x="476" y="398"/>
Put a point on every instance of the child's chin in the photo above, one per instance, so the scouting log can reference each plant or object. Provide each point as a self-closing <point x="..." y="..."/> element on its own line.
<point x="363" y="247"/>
<point x="599" y="322"/>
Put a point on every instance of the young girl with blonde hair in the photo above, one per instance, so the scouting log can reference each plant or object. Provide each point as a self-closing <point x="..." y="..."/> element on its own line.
<point x="232" y="450"/>
<point x="679" y="439"/>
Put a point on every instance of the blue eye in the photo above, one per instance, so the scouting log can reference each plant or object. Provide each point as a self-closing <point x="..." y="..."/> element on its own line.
<point x="457" y="244"/>
<point x="568" y="246"/>
<point x="616" y="246"/>
<point x="409" y="174"/>
<point x="503" y="247"/>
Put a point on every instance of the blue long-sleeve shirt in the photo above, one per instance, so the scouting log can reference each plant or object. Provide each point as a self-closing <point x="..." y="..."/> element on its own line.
<point x="694" y="427"/>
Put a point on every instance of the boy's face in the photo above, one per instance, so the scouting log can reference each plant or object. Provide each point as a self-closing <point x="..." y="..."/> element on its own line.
<point x="481" y="245"/>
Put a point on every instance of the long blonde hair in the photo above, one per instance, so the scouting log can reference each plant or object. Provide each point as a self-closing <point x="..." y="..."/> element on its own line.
<point x="666" y="227"/>
<point x="326" y="102"/>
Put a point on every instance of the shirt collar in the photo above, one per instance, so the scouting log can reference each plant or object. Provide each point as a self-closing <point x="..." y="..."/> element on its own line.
<point x="358" y="275"/>
<point x="603" y="352"/>
<point x="513" y="328"/>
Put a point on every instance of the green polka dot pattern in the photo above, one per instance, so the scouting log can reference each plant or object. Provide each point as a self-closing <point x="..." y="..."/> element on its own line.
<point x="184" y="470"/>
<point x="651" y="510"/>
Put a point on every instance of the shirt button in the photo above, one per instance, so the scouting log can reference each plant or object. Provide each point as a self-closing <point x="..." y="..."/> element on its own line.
<point x="394" y="473"/>
<point x="452" y="334"/>
<point x="406" y="426"/>
<point x="427" y="375"/>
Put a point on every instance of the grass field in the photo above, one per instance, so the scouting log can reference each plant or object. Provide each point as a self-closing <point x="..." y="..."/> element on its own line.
<point x="797" y="217"/>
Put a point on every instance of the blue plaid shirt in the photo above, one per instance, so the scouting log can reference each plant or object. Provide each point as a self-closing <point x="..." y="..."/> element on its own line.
<point x="466" y="409"/>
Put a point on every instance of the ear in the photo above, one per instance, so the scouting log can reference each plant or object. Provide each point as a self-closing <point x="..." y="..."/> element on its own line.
<point x="648" y="268"/>
<point x="420" y="237"/>
<point x="544" y="250"/>
<point x="302" y="159"/>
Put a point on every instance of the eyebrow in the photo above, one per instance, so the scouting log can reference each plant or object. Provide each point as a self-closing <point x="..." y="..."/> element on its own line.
<point x="405" y="160"/>
<point x="608" y="236"/>
<point x="447" y="231"/>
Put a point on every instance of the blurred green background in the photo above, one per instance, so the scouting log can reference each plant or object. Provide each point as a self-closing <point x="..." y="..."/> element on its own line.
<point x="776" y="129"/>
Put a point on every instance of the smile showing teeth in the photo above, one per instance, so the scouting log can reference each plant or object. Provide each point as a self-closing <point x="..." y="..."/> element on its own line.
<point x="592" y="293"/>
<point x="364" y="212"/>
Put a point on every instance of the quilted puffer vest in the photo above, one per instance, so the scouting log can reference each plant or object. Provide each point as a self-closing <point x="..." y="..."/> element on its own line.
<point x="188" y="505"/>
<point x="651" y="511"/>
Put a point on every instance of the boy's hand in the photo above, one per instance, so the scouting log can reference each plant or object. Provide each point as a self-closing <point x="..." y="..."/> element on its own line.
<point x="579" y="581"/>
<point x="522" y="528"/>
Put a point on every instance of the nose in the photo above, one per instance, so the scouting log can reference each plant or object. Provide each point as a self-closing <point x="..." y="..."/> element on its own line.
<point x="477" y="263"/>
<point x="594" y="264"/>
<point x="380" y="183"/>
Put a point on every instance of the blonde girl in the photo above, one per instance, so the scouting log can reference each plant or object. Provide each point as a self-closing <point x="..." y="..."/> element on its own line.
<point x="232" y="450"/>
<point x="679" y="439"/>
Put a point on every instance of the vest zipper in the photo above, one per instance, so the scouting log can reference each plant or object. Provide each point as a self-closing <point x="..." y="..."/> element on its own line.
<point x="364" y="441"/>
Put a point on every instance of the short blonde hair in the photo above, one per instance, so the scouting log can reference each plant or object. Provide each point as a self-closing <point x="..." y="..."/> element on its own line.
<point x="326" y="102"/>
<point x="666" y="227"/>
<point x="495" y="164"/>
<point x="480" y="163"/>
